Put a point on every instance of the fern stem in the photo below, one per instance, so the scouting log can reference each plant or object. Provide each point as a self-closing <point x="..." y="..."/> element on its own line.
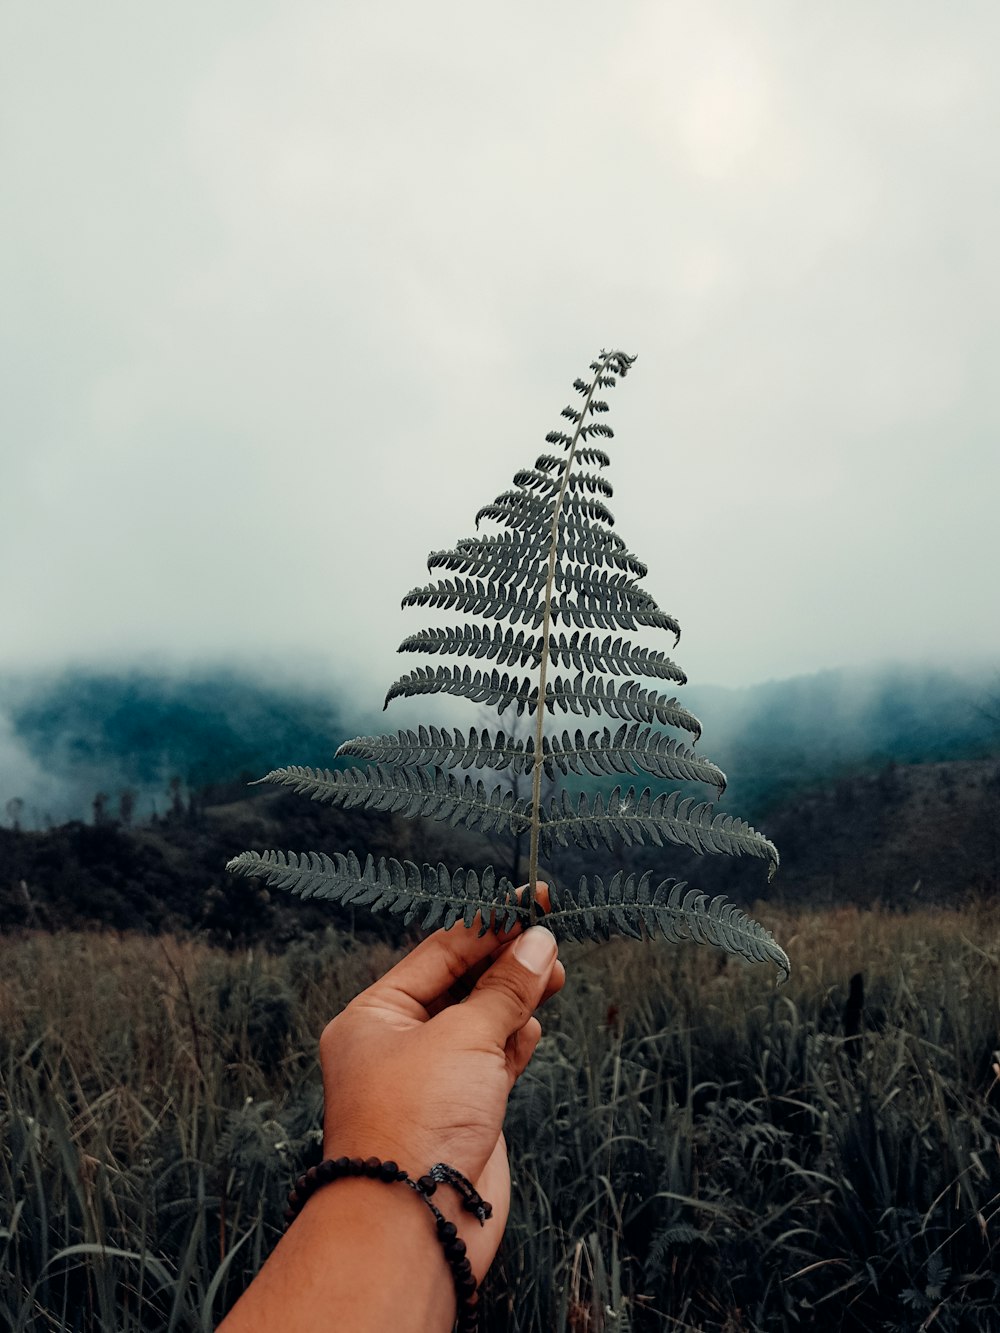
<point x="536" y="772"/>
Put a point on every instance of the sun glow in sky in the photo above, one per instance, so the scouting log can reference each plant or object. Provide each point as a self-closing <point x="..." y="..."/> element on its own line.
<point x="290" y="291"/>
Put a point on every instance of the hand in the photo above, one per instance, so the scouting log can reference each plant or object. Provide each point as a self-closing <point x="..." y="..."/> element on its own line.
<point x="411" y="1073"/>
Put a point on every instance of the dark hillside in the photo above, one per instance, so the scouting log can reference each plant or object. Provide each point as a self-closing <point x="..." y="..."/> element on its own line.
<point x="910" y="834"/>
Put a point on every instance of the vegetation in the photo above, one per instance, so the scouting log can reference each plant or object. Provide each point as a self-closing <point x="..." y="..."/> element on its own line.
<point x="558" y="566"/>
<point x="693" y="1149"/>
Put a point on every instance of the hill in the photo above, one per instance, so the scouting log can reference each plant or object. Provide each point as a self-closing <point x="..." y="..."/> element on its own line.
<point x="911" y="834"/>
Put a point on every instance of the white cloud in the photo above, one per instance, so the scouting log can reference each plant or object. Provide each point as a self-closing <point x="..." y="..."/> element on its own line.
<point x="297" y="289"/>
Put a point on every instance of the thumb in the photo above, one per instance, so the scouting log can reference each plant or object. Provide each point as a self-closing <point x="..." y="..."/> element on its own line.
<point x="506" y="994"/>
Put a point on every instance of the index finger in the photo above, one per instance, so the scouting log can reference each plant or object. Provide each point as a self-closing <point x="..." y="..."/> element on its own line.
<point x="445" y="957"/>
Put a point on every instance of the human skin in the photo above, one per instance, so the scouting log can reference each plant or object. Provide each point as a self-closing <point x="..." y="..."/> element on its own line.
<point x="417" y="1069"/>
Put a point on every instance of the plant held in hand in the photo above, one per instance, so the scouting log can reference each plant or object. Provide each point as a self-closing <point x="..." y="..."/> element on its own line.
<point x="551" y="593"/>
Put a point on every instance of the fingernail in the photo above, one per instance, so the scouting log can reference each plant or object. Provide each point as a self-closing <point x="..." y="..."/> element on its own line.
<point x="535" y="949"/>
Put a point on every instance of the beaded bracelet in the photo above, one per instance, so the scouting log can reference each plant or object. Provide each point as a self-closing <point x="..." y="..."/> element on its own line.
<point x="334" y="1168"/>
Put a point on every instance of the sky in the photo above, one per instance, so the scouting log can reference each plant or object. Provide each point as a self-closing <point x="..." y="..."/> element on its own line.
<point x="290" y="291"/>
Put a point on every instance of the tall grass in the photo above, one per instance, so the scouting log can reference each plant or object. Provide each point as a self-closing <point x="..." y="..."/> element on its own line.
<point x="692" y="1149"/>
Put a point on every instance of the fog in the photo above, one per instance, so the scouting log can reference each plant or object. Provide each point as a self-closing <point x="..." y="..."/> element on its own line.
<point x="291" y="291"/>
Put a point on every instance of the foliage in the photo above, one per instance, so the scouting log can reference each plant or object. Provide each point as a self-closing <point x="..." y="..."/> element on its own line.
<point x="691" y="1149"/>
<point x="553" y="591"/>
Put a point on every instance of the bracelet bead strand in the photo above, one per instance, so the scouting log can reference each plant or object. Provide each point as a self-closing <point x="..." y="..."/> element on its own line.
<point x="374" y="1168"/>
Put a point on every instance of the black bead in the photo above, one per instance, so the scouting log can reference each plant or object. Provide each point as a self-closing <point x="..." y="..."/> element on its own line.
<point x="342" y="1163"/>
<point x="455" y="1248"/>
<point x="311" y="1175"/>
<point x="355" y="1167"/>
<point x="293" y="1199"/>
<point x="326" y="1171"/>
<point x="390" y="1171"/>
<point x="372" y="1165"/>
<point x="427" y="1185"/>
<point x="447" y="1230"/>
<point x="301" y="1183"/>
<point x="290" y="1214"/>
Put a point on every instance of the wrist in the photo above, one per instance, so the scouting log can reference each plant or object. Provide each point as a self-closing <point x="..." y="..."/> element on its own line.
<point x="388" y="1172"/>
<point x="386" y="1232"/>
<point x="366" y="1254"/>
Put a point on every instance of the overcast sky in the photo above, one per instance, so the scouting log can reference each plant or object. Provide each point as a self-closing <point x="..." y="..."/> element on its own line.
<point x="290" y="290"/>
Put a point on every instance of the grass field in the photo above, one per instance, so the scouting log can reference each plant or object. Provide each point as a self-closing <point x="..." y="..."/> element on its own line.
<point x="692" y="1148"/>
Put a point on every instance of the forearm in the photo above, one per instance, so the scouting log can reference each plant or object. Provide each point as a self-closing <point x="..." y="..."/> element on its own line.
<point x="362" y="1255"/>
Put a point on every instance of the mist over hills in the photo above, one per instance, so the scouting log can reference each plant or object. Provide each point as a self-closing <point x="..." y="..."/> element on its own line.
<point x="877" y="785"/>
<point x="66" y="737"/>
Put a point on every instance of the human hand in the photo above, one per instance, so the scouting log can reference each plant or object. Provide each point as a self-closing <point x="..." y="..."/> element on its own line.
<point x="410" y="1073"/>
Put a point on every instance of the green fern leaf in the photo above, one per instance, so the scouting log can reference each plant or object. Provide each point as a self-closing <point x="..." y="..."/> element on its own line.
<point x="427" y="896"/>
<point x="644" y="818"/>
<point x="629" y="702"/>
<point x="671" y="910"/>
<point x="439" y="746"/>
<point x="504" y="646"/>
<point x="615" y="656"/>
<point x="481" y="687"/>
<point x="630" y="749"/>
<point x="563" y="585"/>
<point x="410" y="792"/>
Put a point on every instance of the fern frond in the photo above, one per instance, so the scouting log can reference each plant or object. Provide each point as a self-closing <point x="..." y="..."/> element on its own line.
<point x="482" y="687"/>
<point x="671" y="910"/>
<point x="531" y="480"/>
<point x="427" y="896"/>
<point x="591" y="456"/>
<point x="645" y="818"/>
<point x="603" y="600"/>
<point x="630" y="749"/>
<point x="568" y="585"/>
<point x="586" y="652"/>
<point x="410" y="792"/>
<point x="476" y="597"/>
<point x="438" y="745"/>
<point x="503" y="564"/>
<point x="505" y="555"/>
<point x="536" y="526"/>
<point x="617" y="656"/>
<point x="592" y="613"/>
<point x="629" y="701"/>
<point x="496" y="644"/>
<point x="574" y="507"/>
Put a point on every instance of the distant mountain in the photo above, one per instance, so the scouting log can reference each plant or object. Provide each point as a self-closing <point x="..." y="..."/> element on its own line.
<point x="66" y="737"/>
<point x="72" y="735"/>
<point x="782" y="737"/>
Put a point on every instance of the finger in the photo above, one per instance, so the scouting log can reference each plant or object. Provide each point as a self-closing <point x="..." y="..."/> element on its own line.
<point x="465" y="985"/>
<point x="521" y="1048"/>
<point x="505" y="995"/>
<point x="557" y="979"/>
<point x="443" y="959"/>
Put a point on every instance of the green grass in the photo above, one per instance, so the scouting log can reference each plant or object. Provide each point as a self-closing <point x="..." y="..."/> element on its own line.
<point x="692" y="1149"/>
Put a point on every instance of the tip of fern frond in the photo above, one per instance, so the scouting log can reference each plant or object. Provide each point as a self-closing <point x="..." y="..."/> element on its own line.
<point x="268" y="777"/>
